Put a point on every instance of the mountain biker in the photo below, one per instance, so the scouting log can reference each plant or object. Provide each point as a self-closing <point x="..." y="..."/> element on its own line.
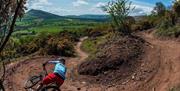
<point x="58" y="75"/>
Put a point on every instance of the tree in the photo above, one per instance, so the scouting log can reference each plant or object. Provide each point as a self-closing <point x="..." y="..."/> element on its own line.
<point x="159" y="9"/>
<point x="119" y="11"/>
<point x="171" y="17"/>
<point x="176" y="8"/>
<point x="10" y="10"/>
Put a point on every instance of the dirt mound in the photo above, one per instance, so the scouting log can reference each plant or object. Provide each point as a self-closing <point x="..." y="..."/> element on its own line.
<point x="115" y="60"/>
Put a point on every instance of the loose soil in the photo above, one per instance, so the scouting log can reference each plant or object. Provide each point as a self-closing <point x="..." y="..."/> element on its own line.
<point x="158" y="70"/>
<point x="115" y="60"/>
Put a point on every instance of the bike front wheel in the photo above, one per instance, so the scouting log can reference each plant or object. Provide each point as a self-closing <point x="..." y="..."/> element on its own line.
<point x="32" y="81"/>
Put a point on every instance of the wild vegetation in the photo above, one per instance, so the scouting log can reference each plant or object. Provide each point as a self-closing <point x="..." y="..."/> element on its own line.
<point x="56" y="35"/>
<point x="9" y="11"/>
<point x="164" y="20"/>
<point x="119" y="11"/>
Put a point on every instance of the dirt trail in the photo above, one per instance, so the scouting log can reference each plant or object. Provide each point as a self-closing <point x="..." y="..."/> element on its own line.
<point x="18" y="72"/>
<point x="82" y="55"/>
<point x="168" y="74"/>
<point x="72" y="62"/>
<point x="166" y="77"/>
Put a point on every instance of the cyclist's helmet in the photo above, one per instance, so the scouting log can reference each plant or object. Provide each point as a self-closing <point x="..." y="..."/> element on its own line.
<point x="63" y="61"/>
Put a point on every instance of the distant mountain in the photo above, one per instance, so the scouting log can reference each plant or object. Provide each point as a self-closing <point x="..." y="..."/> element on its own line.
<point x="90" y="17"/>
<point x="137" y="18"/>
<point x="39" y="15"/>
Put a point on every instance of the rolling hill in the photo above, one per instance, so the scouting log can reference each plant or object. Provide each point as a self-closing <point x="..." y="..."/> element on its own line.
<point x="39" y="14"/>
<point x="33" y="14"/>
<point x="99" y="18"/>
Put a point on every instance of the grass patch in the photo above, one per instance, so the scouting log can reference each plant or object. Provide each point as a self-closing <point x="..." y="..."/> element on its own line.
<point x="90" y="45"/>
<point x="169" y="32"/>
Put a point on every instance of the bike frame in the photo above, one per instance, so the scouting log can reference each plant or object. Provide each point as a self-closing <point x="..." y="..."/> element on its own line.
<point x="41" y="76"/>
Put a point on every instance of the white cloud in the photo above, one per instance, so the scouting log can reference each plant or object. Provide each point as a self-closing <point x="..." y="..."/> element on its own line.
<point x="96" y="9"/>
<point x="141" y="8"/>
<point x="79" y="3"/>
<point x="47" y="6"/>
<point x="100" y="4"/>
<point x="38" y="4"/>
<point x="58" y="10"/>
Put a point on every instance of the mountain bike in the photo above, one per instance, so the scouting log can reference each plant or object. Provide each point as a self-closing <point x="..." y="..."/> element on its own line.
<point x="33" y="81"/>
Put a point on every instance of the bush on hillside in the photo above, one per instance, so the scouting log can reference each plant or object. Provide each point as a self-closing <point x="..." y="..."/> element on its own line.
<point x="142" y="25"/>
<point x="168" y="26"/>
<point x="58" y="46"/>
<point x="99" y="30"/>
<point x="50" y="44"/>
<point x="169" y="32"/>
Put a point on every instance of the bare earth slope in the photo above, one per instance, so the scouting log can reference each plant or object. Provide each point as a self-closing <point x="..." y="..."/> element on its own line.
<point x="163" y="70"/>
<point x="168" y="74"/>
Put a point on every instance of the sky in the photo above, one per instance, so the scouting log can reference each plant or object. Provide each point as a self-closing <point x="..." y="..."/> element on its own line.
<point x="81" y="7"/>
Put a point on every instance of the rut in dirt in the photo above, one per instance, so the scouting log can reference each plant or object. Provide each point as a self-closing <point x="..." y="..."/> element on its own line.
<point x="168" y="74"/>
<point x="18" y="72"/>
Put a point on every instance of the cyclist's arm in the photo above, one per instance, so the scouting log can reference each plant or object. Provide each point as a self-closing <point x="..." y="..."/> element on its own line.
<point x="53" y="62"/>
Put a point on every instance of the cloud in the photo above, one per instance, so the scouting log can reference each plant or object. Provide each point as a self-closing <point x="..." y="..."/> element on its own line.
<point x="141" y="8"/>
<point x="79" y="3"/>
<point x="84" y="7"/>
<point x="38" y="4"/>
<point x="47" y="6"/>
<point x="100" y="4"/>
<point x="58" y="10"/>
<point x="96" y="9"/>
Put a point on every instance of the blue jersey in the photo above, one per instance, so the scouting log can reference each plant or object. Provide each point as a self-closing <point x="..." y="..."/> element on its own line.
<point x="59" y="68"/>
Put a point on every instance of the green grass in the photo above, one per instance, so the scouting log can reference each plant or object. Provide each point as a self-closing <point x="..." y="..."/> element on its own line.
<point x="53" y="29"/>
<point x="52" y="26"/>
<point x="90" y="45"/>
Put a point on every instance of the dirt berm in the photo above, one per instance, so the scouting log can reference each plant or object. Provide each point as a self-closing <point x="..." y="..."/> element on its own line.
<point x="114" y="61"/>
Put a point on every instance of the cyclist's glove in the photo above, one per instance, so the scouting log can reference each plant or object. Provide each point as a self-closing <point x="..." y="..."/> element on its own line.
<point x="44" y="64"/>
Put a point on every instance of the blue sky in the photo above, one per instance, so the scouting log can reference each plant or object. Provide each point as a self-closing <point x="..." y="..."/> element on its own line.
<point x="79" y="7"/>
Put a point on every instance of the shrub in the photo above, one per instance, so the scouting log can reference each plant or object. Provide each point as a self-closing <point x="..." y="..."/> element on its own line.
<point x="59" y="46"/>
<point x="142" y="25"/>
<point x="119" y="11"/>
<point x="90" y="45"/>
<point x="99" y="30"/>
<point x="136" y="27"/>
<point x="176" y="8"/>
<point x="169" y="32"/>
<point x="50" y="44"/>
